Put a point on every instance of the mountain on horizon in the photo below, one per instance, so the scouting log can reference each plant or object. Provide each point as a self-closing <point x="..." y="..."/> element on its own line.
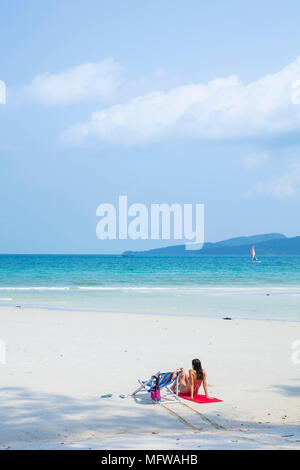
<point x="265" y="244"/>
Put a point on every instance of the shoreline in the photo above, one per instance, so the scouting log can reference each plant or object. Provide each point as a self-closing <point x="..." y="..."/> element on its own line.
<point x="143" y="314"/>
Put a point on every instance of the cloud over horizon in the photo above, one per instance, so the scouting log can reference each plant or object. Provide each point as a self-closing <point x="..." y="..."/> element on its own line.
<point x="224" y="108"/>
<point x="255" y="160"/>
<point x="279" y="187"/>
<point x="87" y="82"/>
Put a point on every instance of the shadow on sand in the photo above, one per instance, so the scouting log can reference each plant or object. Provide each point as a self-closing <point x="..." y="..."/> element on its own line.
<point x="288" y="390"/>
<point x="29" y="418"/>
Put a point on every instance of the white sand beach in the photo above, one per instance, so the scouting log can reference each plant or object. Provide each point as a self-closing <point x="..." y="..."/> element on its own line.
<point x="58" y="363"/>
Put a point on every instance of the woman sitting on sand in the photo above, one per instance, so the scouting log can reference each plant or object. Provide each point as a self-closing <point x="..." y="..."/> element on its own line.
<point x="189" y="384"/>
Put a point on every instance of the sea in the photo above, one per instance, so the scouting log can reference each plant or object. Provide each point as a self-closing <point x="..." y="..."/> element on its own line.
<point x="204" y="286"/>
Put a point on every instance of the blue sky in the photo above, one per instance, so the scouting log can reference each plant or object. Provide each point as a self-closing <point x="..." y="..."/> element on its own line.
<point x="170" y="101"/>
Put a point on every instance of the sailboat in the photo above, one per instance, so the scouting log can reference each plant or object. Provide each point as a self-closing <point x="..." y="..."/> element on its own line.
<point x="254" y="258"/>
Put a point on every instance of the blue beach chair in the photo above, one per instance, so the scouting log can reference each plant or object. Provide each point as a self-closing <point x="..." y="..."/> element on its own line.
<point x="165" y="381"/>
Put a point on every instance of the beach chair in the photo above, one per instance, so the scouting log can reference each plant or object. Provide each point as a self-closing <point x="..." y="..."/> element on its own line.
<point x="165" y="381"/>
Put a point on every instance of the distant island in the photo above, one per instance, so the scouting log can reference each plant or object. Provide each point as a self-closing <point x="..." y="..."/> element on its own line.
<point x="265" y="245"/>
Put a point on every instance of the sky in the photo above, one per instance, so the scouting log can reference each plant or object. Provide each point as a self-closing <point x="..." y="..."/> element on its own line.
<point x="165" y="102"/>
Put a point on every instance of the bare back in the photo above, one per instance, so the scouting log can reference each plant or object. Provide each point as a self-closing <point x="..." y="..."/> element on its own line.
<point x="189" y="384"/>
<point x="194" y="382"/>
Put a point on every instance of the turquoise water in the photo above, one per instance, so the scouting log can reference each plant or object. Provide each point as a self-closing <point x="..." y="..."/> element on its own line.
<point x="206" y="286"/>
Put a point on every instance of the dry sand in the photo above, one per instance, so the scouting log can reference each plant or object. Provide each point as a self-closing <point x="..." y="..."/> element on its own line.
<point x="58" y="363"/>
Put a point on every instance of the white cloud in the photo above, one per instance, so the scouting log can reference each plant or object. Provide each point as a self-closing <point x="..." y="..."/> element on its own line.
<point x="222" y="108"/>
<point x="279" y="187"/>
<point x="91" y="81"/>
<point x="254" y="160"/>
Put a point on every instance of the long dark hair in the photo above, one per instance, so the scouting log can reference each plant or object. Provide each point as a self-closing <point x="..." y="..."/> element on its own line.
<point x="196" y="363"/>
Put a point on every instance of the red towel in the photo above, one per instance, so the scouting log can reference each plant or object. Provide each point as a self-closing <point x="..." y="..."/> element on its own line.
<point x="199" y="398"/>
